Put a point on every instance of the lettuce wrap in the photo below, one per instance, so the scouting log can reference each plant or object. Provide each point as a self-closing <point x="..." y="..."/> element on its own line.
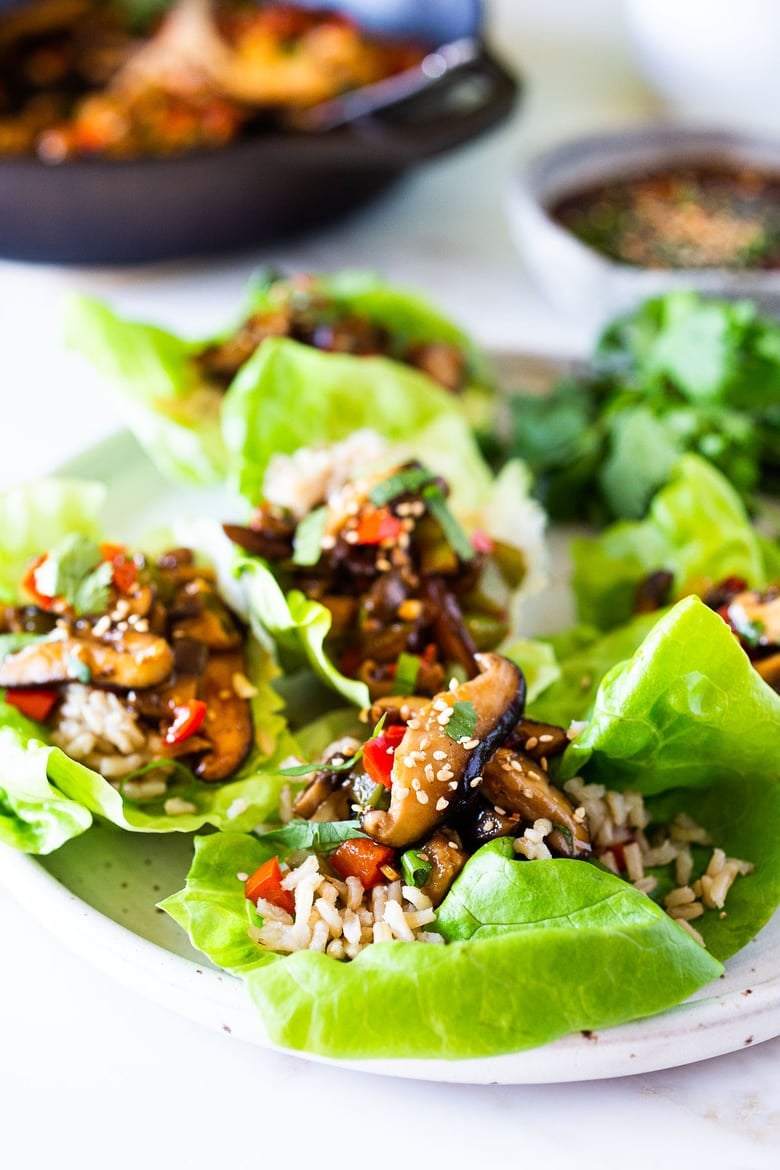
<point x="536" y="949"/>
<point x="499" y="510"/>
<point x="46" y="797"/>
<point x="175" y="407"/>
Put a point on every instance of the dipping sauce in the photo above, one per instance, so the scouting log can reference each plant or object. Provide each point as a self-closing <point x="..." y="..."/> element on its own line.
<point x="685" y="217"/>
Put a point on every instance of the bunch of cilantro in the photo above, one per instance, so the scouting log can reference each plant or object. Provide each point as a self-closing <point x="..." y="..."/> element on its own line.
<point x="680" y="374"/>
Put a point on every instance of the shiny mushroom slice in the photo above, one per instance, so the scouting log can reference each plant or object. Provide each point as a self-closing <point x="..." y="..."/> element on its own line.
<point x="228" y="725"/>
<point x="434" y="774"/>
<point x="127" y="660"/>
<point x="515" y="783"/>
<point x="447" y="857"/>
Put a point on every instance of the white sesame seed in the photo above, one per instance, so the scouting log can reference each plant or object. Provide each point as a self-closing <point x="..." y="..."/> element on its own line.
<point x="422" y="797"/>
<point x="441" y="804"/>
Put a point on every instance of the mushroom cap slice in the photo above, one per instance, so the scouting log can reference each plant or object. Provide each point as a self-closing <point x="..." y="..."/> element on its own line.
<point x="132" y="660"/>
<point x="435" y="775"/>
<point x="516" y="783"/>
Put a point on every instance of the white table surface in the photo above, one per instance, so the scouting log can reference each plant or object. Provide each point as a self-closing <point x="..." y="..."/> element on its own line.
<point x="92" y="1075"/>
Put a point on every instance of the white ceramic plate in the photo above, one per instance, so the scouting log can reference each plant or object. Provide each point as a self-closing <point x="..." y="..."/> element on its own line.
<point x="98" y="895"/>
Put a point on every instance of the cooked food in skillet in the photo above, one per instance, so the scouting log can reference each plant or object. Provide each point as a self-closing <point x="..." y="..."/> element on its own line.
<point x="80" y="78"/>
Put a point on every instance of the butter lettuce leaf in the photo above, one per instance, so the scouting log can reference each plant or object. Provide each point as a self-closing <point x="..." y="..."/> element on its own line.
<point x="289" y="395"/>
<point x="697" y="529"/>
<point x="46" y="797"/>
<point x="157" y="388"/>
<point x="689" y="720"/>
<point x="536" y="950"/>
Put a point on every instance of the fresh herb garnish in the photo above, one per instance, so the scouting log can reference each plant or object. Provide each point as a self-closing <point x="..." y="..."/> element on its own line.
<point x="326" y="765"/>
<point x="453" y="533"/>
<point x="407" y="481"/>
<point x="308" y="537"/>
<point x="407" y="669"/>
<point x="92" y="594"/>
<point x="321" y="836"/>
<point x="77" y="669"/>
<point x="463" y="721"/>
<point x="415" y="867"/>
<point x="75" y="570"/>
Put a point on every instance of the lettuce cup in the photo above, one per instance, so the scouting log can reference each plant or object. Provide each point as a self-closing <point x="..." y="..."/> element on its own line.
<point x="297" y="340"/>
<point x="398" y="911"/>
<point x="356" y="561"/>
<point x="128" y="688"/>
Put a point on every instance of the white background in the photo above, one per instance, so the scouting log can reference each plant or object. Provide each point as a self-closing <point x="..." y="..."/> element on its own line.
<point x="92" y="1075"/>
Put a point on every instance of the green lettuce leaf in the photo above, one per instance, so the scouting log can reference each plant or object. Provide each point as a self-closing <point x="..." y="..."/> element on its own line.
<point x="297" y="625"/>
<point x="46" y="797"/>
<point x="289" y="395"/>
<point x="583" y="657"/>
<point x="175" y="416"/>
<point x="697" y="529"/>
<point x="689" y="719"/>
<point x="537" y="949"/>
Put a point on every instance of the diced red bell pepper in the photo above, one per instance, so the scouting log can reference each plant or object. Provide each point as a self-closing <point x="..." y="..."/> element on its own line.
<point x="379" y="754"/>
<point x="35" y="704"/>
<point x="28" y="583"/>
<point x="266" y="883"/>
<point x="187" y="719"/>
<point x="379" y="525"/>
<point x="362" y="858"/>
<point x="125" y="570"/>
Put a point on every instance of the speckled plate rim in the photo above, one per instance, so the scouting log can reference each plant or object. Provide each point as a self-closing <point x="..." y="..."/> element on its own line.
<point x="741" y="1009"/>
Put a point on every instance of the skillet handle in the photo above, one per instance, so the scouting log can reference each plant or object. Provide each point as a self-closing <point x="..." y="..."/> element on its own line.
<point x="468" y="100"/>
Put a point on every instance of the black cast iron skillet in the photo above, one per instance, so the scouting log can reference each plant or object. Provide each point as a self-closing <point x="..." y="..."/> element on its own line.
<point x="266" y="185"/>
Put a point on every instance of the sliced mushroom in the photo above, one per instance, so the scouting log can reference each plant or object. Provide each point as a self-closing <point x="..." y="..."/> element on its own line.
<point x="515" y="783"/>
<point x="541" y="741"/>
<point x="127" y="659"/>
<point x="228" y="724"/>
<point x="199" y="614"/>
<point x="484" y="822"/>
<point x="433" y="774"/>
<point x="318" y="794"/>
<point x="447" y="857"/>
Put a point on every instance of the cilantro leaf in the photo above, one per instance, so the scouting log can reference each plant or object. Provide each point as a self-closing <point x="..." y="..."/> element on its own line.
<point x="66" y="567"/>
<point x="92" y="593"/>
<point x="463" y="721"/>
<point x="321" y="836"/>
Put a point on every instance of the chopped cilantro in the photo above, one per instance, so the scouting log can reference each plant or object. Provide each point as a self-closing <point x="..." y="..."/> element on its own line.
<point x="463" y="721"/>
<point x="321" y="836"/>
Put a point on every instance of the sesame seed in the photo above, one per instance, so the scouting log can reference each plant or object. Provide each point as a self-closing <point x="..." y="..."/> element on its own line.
<point x="454" y="684"/>
<point x="453" y="784"/>
<point x="441" y="804"/>
<point x="546" y="738"/>
<point x="351" y="537"/>
<point x="428" y="770"/>
<point x="543" y="762"/>
<point x="469" y="744"/>
<point x="501" y="811"/>
<point x="425" y="742"/>
<point x="422" y="797"/>
<point x="531" y="743"/>
<point x="409" y="761"/>
<point x="475" y="782"/>
<point x="242" y="877"/>
<point x="416" y="784"/>
<point x="440" y="755"/>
